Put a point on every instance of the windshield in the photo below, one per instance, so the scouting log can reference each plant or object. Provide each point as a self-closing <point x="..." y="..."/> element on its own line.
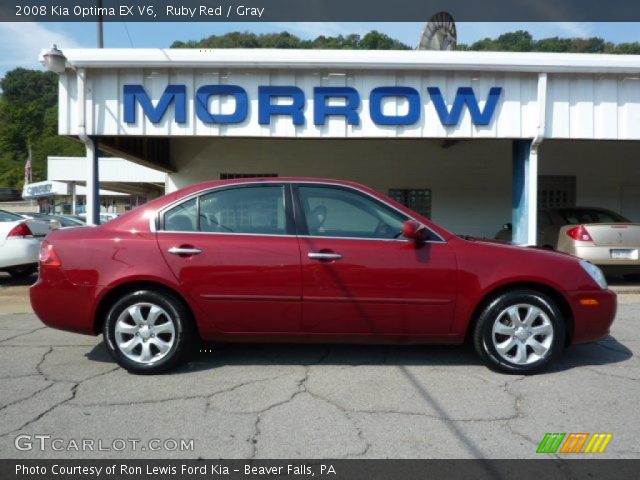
<point x="9" y="217"/>
<point x="574" y="216"/>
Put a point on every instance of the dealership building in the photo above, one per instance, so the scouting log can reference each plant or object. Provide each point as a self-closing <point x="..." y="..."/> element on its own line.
<point x="472" y="140"/>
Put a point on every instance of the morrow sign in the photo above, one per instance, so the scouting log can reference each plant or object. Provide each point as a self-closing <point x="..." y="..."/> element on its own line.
<point x="270" y="104"/>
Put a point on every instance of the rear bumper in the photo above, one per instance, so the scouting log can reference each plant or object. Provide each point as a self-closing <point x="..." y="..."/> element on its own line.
<point x="60" y="304"/>
<point x="592" y="321"/>
<point x="601" y="255"/>
<point x="19" y="251"/>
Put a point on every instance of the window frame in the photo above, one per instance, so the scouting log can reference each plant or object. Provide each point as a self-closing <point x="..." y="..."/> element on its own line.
<point x="296" y="222"/>
<point x="286" y="197"/>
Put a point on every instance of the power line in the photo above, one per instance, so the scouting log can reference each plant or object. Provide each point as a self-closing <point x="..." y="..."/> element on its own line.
<point x="126" y="29"/>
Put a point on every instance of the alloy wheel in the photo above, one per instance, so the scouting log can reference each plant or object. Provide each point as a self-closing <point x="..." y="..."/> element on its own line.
<point x="522" y="334"/>
<point x="145" y="333"/>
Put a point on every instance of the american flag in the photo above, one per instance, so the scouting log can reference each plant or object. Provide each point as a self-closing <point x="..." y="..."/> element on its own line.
<point x="27" y="169"/>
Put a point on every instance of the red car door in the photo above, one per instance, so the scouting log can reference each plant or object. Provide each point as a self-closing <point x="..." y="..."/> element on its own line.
<point x="234" y="252"/>
<point x="360" y="276"/>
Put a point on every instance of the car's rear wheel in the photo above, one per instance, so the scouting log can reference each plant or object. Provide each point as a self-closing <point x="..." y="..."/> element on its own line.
<point x="148" y="332"/>
<point x="520" y="332"/>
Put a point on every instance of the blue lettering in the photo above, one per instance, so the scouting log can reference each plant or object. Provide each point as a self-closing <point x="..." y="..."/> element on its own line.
<point x="375" y="105"/>
<point x="173" y="93"/>
<point x="349" y="110"/>
<point x="266" y="109"/>
<point x="465" y="96"/>
<point x="238" y="93"/>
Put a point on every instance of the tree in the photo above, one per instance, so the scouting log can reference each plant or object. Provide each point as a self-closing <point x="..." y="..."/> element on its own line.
<point x="373" y="40"/>
<point x="29" y="117"/>
<point x="522" y="41"/>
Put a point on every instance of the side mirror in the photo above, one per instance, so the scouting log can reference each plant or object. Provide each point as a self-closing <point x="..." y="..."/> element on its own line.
<point x="414" y="231"/>
<point x="507" y="226"/>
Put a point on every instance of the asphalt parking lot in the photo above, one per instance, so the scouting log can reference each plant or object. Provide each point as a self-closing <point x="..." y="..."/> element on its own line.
<point x="275" y="401"/>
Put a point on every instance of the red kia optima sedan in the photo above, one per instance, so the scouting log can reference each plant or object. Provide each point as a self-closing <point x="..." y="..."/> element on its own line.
<point x="301" y="259"/>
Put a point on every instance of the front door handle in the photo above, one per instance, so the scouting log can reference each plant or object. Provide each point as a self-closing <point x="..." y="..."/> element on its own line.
<point x="184" y="251"/>
<point x="324" y="256"/>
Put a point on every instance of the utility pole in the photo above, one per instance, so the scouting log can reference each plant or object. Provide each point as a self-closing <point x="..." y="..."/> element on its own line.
<point x="100" y="31"/>
<point x="95" y="183"/>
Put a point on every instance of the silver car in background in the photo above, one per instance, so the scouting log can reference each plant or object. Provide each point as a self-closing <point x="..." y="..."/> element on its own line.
<point x="604" y="238"/>
<point x="20" y="240"/>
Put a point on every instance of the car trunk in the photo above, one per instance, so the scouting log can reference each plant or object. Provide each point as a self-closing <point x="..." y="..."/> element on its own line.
<point x="39" y="229"/>
<point x="615" y="234"/>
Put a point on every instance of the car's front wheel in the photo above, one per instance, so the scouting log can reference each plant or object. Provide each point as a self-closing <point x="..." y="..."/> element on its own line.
<point x="148" y="332"/>
<point x="519" y="332"/>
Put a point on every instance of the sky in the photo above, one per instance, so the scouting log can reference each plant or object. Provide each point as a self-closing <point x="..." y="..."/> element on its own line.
<point x="21" y="43"/>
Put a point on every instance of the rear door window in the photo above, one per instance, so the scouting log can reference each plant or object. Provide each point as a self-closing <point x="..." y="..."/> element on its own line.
<point x="254" y="210"/>
<point x="250" y="210"/>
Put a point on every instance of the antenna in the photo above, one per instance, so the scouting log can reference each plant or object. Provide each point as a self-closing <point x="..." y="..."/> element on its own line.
<point x="439" y="33"/>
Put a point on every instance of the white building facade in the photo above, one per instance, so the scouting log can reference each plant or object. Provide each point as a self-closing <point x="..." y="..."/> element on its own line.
<point x="471" y="139"/>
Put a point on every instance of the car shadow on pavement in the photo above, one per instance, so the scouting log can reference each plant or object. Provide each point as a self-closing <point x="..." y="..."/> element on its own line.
<point x="209" y="356"/>
<point x="99" y="353"/>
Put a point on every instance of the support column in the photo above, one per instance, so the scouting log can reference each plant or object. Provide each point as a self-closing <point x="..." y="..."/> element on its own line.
<point x="525" y="193"/>
<point x="74" y="199"/>
<point x="93" y="184"/>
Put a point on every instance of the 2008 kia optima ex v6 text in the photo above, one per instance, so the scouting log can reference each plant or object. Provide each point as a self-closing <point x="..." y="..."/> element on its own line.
<point x="299" y="259"/>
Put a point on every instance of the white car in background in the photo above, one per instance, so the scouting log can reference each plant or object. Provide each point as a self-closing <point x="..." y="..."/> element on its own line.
<point x="20" y="241"/>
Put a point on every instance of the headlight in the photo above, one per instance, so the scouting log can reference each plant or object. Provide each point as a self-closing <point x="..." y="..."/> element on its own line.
<point x="595" y="273"/>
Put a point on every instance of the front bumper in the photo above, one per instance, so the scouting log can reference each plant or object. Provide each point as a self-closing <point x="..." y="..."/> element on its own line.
<point x="592" y="321"/>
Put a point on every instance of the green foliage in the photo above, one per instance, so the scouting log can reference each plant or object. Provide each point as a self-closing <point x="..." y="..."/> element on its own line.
<point x="29" y="116"/>
<point x="373" y="40"/>
<point x="522" y="41"/>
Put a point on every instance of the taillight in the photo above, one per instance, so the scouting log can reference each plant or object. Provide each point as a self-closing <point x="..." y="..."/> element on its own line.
<point x="48" y="256"/>
<point x="21" y="230"/>
<point x="580" y="233"/>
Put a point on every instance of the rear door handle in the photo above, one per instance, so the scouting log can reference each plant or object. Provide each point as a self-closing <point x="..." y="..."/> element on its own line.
<point x="184" y="251"/>
<point x="324" y="256"/>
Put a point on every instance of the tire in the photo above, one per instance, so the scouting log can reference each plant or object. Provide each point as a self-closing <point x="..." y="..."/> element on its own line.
<point x="508" y="347"/>
<point x="148" y="332"/>
<point x="23" y="271"/>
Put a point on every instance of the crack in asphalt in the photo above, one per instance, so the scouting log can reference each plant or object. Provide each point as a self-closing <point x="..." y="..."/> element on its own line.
<point x="301" y="388"/>
<point x="519" y="408"/>
<point x="505" y="422"/>
<point x="31" y="395"/>
<point x="22" y="335"/>
<point x="74" y="388"/>
<point x="40" y="390"/>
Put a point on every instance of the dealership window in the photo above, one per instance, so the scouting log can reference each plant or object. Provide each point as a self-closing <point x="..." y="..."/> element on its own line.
<point x="556" y="191"/>
<point x="417" y="199"/>
<point x="336" y="212"/>
<point x="230" y="176"/>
